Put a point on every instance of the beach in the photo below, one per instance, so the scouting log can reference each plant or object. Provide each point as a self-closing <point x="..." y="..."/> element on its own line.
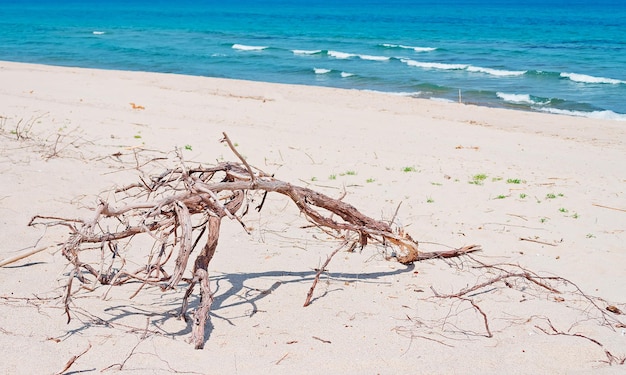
<point x="542" y="194"/>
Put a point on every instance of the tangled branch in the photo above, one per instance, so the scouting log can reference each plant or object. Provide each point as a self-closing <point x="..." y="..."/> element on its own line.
<point x="177" y="207"/>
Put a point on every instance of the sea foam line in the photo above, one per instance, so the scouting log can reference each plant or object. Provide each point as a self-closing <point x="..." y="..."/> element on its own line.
<point x="416" y="49"/>
<point x="496" y="72"/>
<point x="583" y="78"/>
<point x="432" y="65"/>
<point x="346" y="55"/>
<point x="306" y="52"/>
<point x="321" y="71"/>
<point x="243" y="47"/>
<point x="341" y="55"/>
<point x="469" y="68"/>
<point x="521" y="99"/>
<point x="602" y="115"/>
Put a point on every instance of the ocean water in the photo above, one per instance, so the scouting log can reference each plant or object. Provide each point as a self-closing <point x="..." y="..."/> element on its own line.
<point x="552" y="55"/>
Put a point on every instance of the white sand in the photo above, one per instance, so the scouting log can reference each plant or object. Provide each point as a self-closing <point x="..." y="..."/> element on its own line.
<point x="370" y="315"/>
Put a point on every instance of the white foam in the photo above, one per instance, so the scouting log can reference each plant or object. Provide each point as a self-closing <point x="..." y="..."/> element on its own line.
<point x="374" y="58"/>
<point x="415" y="94"/>
<point x="442" y="100"/>
<point x="243" y="47"/>
<point x="515" y="98"/>
<point x="98" y="32"/>
<point x="590" y="79"/>
<point x="305" y="52"/>
<point x="602" y="115"/>
<point x="431" y="65"/>
<point x="346" y="74"/>
<point x="416" y="49"/>
<point x="321" y="71"/>
<point x="340" y="55"/>
<point x="495" y="72"/>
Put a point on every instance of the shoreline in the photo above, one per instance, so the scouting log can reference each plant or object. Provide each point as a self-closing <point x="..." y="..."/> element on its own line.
<point x="540" y="191"/>
<point x="605" y="115"/>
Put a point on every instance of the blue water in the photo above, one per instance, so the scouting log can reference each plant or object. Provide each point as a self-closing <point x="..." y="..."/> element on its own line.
<point x="550" y="55"/>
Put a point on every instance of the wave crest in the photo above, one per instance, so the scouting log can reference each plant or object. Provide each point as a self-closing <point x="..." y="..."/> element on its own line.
<point x="243" y="47"/>
<point x="416" y="49"/>
<point x="602" y="115"/>
<point x="583" y="78"/>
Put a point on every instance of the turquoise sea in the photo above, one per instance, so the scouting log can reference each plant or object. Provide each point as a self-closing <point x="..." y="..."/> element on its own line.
<point x="550" y="55"/>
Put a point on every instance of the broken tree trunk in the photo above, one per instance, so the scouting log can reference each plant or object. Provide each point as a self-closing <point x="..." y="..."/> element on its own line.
<point x="166" y="208"/>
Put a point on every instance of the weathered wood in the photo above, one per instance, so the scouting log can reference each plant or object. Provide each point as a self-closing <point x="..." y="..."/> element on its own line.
<point x="166" y="206"/>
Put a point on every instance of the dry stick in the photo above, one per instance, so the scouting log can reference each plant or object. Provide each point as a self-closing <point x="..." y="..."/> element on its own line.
<point x="494" y="280"/>
<point x="232" y="147"/>
<point x="611" y="358"/>
<point x="184" y="248"/>
<point x="537" y="241"/>
<point x="26" y="254"/>
<point x="610" y="208"/>
<point x="448" y="253"/>
<point x="72" y="360"/>
<point x="282" y="358"/>
<point x="307" y="302"/>
<point x="489" y="335"/>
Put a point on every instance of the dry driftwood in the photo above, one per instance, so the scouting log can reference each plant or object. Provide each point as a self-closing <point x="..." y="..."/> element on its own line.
<point x="183" y="203"/>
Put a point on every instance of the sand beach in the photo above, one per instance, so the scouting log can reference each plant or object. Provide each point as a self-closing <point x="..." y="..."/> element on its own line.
<point x="543" y="195"/>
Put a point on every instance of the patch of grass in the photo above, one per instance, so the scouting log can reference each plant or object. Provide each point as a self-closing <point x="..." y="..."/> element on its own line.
<point x="496" y="179"/>
<point x="590" y="235"/>
<point x="370" y="180"/>
<point x="430" y="200"/>
<point x="550" y="196"/>
<point x="436" y="183"/>
<point x="137" y="136"/>
<point x="543" y="219"/>
<point x="563" y="210"/>
<point x="522" y="195"/>
<point x="348" y="173"/>
<point x="500" y="197"/>
<point x="513" y="181"/>
<point x="409" y="169"/>
<point x="313" y="178"/>
<point x="332" y="177"/>
<point x="188" y="147"/>
<point x="478" y="179"/>
<point x="575" y="215"/>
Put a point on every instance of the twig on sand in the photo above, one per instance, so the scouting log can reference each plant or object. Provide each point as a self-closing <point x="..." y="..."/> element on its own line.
<point x="610" y="208"/>
<point x="23" y="255"/>
<point x="72" y="360"/>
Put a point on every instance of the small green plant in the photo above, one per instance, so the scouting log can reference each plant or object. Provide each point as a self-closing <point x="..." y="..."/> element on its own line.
<point x="430" y="200"/>
<point x="496" y="179"/>
<point x="543" y="219"/>
<point x="478" y="179"/>
<point x="370" y="180"/>
<point x="550" y="196"/>
<point x="513" y="181"/>
<point x="137" y="136"/>
<point x="590" y="235"/>
<point x="188" y="147"/>
<point x="351" y="173"/>
<point x="332" y="177"/>
<point x="522" y="195"/>
<point x="436" y="183"/>
<point x="563" y="210"/>
<point x="409" y="169"/>
<point x="313" y="178"/>
<point x="575" y="215"/>
<point x="500" y="197"/>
